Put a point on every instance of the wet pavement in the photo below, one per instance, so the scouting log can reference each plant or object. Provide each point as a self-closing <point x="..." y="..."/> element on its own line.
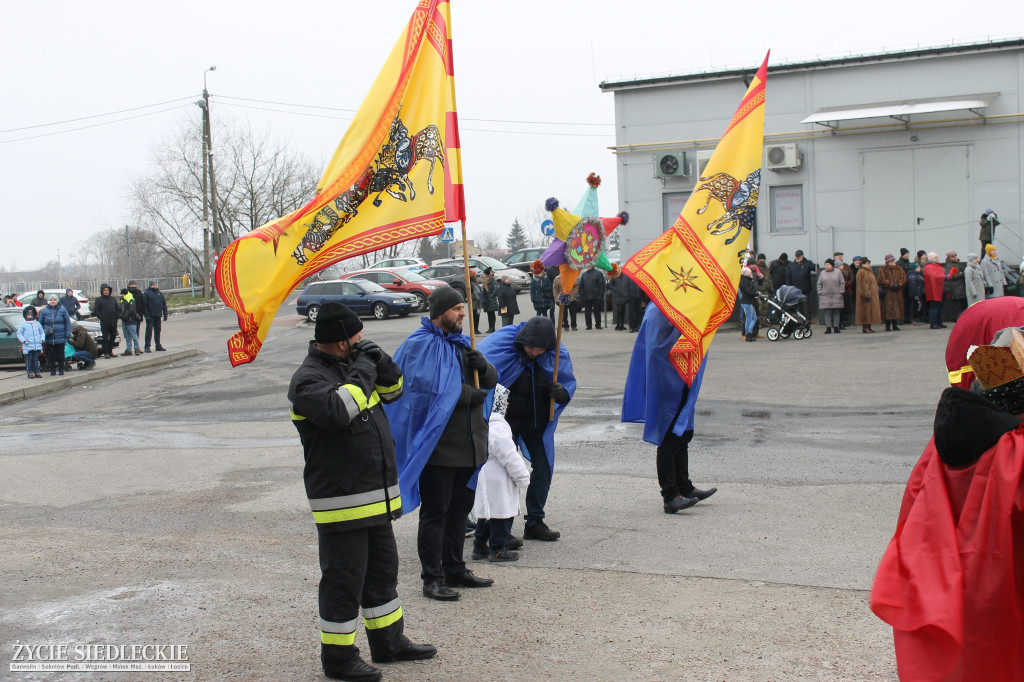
<point x="167" y="505"/>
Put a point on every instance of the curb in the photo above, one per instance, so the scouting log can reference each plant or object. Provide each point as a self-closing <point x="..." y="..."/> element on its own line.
<point x="77" y="378"/>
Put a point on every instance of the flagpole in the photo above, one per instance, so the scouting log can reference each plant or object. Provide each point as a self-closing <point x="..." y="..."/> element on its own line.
<point x="558" y="353"/>
<point x="469" y="301"/>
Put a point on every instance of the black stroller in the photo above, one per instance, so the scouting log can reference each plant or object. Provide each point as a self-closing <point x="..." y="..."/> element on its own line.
<point x="784" y="320"/>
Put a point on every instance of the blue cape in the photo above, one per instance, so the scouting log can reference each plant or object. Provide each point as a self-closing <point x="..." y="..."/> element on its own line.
<point x="432" y="382"/>
<point x="655" y="394"/>
<point x="500" y="350"/>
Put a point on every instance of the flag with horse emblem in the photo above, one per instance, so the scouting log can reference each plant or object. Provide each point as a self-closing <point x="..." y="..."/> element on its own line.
<point x="395" y="176"/>
<point x="691" y="271"/>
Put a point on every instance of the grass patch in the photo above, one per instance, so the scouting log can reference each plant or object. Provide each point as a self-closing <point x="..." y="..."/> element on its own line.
<point x="186" y="299"/>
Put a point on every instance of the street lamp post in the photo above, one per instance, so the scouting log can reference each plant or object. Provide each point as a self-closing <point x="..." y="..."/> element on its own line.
<point x="204" y="104"/>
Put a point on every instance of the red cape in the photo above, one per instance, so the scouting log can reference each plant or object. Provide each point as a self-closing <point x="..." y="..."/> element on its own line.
<point x="951" y="582"/>
<point x="934" y="278"/>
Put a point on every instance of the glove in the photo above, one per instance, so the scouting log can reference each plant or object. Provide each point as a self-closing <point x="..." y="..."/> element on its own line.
<point x="476" y="397"/>
<point x="894" y="287"/>
<point x="476" y="360"/>
<point x="165" y="318"/>
<point x="364" y="365"/>
<point x="558" y="393"/>
<point x="368" y="347"/>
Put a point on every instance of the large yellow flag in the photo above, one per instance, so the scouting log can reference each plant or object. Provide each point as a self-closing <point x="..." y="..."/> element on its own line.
<point x="395" y="176"/>
<point x="691" y="271"/>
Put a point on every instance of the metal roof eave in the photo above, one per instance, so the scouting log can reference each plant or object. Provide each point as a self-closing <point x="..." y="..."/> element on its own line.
<point x="902" y="110"/>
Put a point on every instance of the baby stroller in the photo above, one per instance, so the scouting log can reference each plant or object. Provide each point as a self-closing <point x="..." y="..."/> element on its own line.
<point x="783" y="317"/>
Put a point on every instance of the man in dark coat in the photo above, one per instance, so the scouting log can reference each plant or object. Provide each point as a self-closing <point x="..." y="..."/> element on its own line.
<point x="507" y="305"/>
<point x="779" y="270"/>
<point x="800" y="271"/>
<point x="155" y="308"/>
<point x="592" y="287"/>
<point x="441" y="439"/>
<point x="617" y="285"/>
<point x="107" y="312"/>
<point x="70" y="303"/>
<point x="955" y="288"/>
<point x="336" y="397"/>
<point x="637" y="300"/>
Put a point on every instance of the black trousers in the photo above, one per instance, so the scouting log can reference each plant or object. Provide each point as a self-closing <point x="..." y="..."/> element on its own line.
<point x="636" y="314"/>
<point x="593" y="307"/>
<point x="54" y="357"/>
<point x="153" y="330"/>
<point x="540" y="469"/>
<point x="108" y="332"/>
<point x="506" y="320"/>
<point x="570" y="314"/>
<point x="674" y="465"/>
<point x="490" y="320"/>
<point x="359" y="568"/>
<point x="493" y="532"/>
<point x="619" y="315"/>
<point x="445" y="503"/>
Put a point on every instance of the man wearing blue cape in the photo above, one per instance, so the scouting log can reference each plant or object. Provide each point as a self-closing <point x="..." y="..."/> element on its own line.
<point x="440" y="433"/>
<point x="524" y="355"/>
<point x="656" y="396"/>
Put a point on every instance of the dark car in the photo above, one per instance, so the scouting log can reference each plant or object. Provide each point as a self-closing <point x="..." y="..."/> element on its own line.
<point x="364" y="298"/>
<point x="10" y="347"/>
<point x="521" y="259"/>
<point x="400" y="281"/>
<point x="453" y="275"/>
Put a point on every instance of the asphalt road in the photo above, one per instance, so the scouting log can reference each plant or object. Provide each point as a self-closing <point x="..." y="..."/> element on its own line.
<point x="166" y="506"/>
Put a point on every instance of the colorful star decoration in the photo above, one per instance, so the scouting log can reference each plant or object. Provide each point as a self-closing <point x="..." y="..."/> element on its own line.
<point x="684" y="279"/>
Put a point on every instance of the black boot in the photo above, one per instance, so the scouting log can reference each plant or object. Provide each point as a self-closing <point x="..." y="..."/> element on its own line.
<point x="356" y="669"/>
<point x="828" y="330"/>
<point x="837" y="330"/>
<point x="895" y="326"/>
<point x="888" y="325"/>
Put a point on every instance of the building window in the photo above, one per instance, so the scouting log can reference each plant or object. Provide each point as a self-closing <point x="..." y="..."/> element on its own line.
<point x="787" y="203"/>
<point x="672" y="205"/>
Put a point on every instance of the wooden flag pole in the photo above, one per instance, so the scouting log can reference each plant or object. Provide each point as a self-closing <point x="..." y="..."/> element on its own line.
<point x="558" y="353"/>
<point x="469" y="301"/>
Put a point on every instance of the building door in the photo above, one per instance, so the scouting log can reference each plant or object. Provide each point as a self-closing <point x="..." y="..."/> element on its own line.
<point x="916" y="198"/>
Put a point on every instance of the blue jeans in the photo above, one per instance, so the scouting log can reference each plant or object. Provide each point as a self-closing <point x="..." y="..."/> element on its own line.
<point x="32" y="361"/>
<point x="493" y="532"/>
<point x="540" y="477"/>
<point x="131" y="334"/>
<point x="749" y="317"/>
<point x="83" y="357"/>
<point x="935" y="313"/>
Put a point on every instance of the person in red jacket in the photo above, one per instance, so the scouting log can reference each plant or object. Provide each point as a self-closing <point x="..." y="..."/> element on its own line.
<point x="934" y="279"/>
<point x="950" y="582"/>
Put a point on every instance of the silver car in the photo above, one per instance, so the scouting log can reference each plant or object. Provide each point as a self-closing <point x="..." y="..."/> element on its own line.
<point x="520" y="280"/>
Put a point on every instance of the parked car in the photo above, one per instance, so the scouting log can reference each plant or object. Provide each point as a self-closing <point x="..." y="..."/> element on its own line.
<point x="404" y="263"/>
<point x="83" y="312"/>
<point x="521" y="259"/>
<point x="10" y="347"/>
<point x="399" y="281"/>
<point x="453" y="275"/>
<point x="363" y="297"/>
<point x="520" y="280"/>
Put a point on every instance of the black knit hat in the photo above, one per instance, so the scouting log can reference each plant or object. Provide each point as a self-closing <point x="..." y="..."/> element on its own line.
<point x="442" y="300"/>
<point x="336" y="322"/>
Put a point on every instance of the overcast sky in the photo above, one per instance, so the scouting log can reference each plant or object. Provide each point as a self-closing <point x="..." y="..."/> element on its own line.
<point x="523" y="71"/>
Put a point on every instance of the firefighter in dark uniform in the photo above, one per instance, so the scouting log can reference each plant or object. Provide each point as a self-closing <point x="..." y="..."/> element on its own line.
<point x="352" y="485"/>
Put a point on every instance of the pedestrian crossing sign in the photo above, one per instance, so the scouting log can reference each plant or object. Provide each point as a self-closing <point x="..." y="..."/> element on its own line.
<point x="448" y="235"/>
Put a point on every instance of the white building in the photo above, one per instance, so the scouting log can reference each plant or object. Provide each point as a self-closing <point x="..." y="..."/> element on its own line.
<point x="862" y="154"/>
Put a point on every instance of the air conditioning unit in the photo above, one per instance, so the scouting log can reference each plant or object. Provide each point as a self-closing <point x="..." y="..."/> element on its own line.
<point x="703" y="157"/>
<point x="670" y="165"/>
<point x="782" y="157"/>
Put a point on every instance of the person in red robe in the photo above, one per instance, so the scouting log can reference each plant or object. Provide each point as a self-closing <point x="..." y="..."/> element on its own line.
<point x="934" y="280"/>
<point x="951" y="581"/>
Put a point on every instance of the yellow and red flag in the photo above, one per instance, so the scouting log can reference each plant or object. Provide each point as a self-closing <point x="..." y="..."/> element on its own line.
<point x="691" y="271"/>
<point x="395" y="176"/>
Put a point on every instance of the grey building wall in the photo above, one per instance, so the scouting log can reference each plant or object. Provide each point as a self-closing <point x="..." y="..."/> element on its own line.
<point x="874" y="185"/>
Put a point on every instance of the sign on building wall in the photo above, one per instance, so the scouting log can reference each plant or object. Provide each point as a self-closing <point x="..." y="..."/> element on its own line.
<point x="787" y="208"/>
<point x="672" y="206"/>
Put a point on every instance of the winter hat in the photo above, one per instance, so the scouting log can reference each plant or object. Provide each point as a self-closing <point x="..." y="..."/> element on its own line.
<point x="761" y="256"/>
<point x="152" y="283"/>
<point x="798" y="253"/>
<point x="783" y="257"/>
<point x="336" y="322"/>
<point x="903" y="252"/>
<point x="837" y="253"/>
<point x="889" y="258"/>
<point x="745" y="272"/>
<point x="123" y="291"/>
<point x="864" y="259"/>
<point x="950" y="254"/>
<point x="500" y="399"/>
<point x="989" y="249"/>
<point x="829" y="261"/>
<point x="933" y="257"/>
<point x="921" y="253"/>
<point x="442" y="300"/>
<point x="971" y="257"/>
<point x="74" y="324"/>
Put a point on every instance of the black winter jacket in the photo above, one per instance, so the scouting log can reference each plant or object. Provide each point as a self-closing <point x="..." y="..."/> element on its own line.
<point x="350" y="474"/>
<point x="529" y="400"/>
<point x="154" y="304"/>
<point x="105" y="307"/>
<point x="507" y="300"/>
<point x="593" y="284"/>
<point x="463" y="443"/>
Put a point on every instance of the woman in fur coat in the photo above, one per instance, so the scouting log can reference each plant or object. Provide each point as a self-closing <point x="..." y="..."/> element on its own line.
<point x="868" y="310"/>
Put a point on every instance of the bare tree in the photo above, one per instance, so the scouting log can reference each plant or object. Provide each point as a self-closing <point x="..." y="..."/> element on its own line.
<point x="258" y="180"/>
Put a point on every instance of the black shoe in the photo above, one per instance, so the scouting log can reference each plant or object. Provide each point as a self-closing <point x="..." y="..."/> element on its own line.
<point x="504" y="554"/>
<point x="540" y="531"/>
<point x="838" y="330"/>
<point x="679" y="503"/>
<point x="160" y="348"/>
<point x="513" y="542"/>
<point x="828" y="330"/>
<point x="148" y="350"/>
<point x="588" y="329"/>
<point x="412" y="652"/>
<point x="356" y="669"/>
<point x="702" y="495"/>
<point x="467" y="579"/>
<point x="470" y="527"/>
<point x="480" y="551"/>
<point x="439" y="591"/>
